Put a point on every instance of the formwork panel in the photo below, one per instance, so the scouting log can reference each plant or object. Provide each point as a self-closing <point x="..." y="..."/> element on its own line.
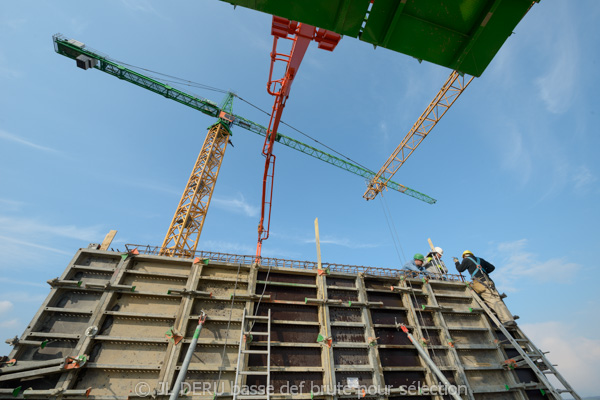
<point x="496" y="396"/>
<point x="137" y="353"/>
<point x="399" y="358"/>
<point x="380" y="284"/>
<point x="350" y="356"/>
<point x="456" y="304"/>
<point x="440" y="357"/>
<point x="339" y="314"/>
<point x="341" y="282"/>
<point x="388" y="316"/>
<point x="433" y="336"/>
<point x="388" y="299"/>
<point x="219" y="308"/>
<point x="287" y="278"/>
<point x="219" y="288"/>
<point x="75" y="299"/>
<point x="283" y="381"/>
<point x="54" y="349"/>
<point x="344" y="295"/>
<point x="162" y="266"/>
<point x="287" y="293"/>
<point x="207" y="382"/>
<point x="483" y="378"/>
<point x="404" y="378"/>
<point x="134" y="327"/>
<point x="391" y="336"/>
<point x="153" y="284"/>
<point x="283" y="356"/>
<point x="110" y="382"/>
<point x="289" y="333"/>
<point x="478" y="358"/>
<point x="220" y="272"/>
<point x="348" y="334"/>
<point x="470" y="337"/>
<point x="97" y="261"/>
<point x="210" y="356"/>
<point x="89" y="276"/>
<point x="133" y="341"/>
<point x="216" y="330"/>
<point x="464" y="320"/>
<point x="56" y="322"/>
<point x="347" y="378"/>
<point x="287" y="312"/>
<point x="130" y="302"/>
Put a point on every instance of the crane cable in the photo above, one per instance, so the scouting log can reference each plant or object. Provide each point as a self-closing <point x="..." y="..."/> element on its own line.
<point x="416" y="305"/>
<point x="393" y="232"/>
<point x="306" y="135"/>
<point x="181" y="81"/>
<point x="227" y="331"/>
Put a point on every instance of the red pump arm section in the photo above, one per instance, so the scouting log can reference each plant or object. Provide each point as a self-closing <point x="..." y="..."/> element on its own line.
<point x="301" y="35"/>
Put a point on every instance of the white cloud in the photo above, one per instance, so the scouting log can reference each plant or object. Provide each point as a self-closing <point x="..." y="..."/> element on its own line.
<point x="14" y="138"/>
<point x="28" y="228"/>
<point x="227" y="247"/>
<point x="344" y="242"/>
<point x="518" y="263"/>
<point x="5" y="306"/>
<point x="237" y="205"/>
<point x="32" y="245"/>
<point x="11" y="323"/>
<point x="517" y="157"/>
<point x="577" y="356"/>
<point x="10" y="205"/>
<point x="557" y="86"/>
<point x="582" y="179"/>
<point x="143" y="6"/>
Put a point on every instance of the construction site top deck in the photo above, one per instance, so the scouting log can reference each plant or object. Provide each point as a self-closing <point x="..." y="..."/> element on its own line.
<point x="463" y="35"/>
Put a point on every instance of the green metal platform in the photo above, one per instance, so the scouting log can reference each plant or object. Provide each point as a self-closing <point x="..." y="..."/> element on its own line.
<point x="463" y="35"/>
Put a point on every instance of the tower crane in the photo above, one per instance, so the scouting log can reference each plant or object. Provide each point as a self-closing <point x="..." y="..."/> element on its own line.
<point x="441" y="103"/>
<point x="185" y="228"/>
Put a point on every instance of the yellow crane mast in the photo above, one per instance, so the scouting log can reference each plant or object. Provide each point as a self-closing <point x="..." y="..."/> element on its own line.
<point x="184" y="232"/>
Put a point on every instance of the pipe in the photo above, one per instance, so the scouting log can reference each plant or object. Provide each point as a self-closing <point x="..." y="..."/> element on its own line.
<point x="431" y="364"/>
<point x="188" y="358"/>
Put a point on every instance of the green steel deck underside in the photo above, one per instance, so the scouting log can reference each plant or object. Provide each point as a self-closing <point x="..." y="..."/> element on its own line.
<point x="463" y="35"/>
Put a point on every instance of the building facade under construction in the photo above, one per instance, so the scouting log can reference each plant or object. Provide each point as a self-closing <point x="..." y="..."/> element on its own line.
<point x="120" y="326"/>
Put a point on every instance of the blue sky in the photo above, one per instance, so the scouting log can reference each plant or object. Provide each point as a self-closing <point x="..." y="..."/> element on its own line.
<point x="513" y="165"/>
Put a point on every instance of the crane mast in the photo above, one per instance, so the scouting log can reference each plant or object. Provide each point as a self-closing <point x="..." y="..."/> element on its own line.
<point x="187" y="223"/>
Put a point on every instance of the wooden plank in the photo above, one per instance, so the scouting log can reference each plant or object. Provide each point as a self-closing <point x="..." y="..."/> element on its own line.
<point x="108" y="240"/>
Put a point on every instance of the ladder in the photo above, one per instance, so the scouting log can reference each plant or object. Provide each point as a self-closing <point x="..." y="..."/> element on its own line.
<point x="530" y="355"/>
<point x="246" y="335"/>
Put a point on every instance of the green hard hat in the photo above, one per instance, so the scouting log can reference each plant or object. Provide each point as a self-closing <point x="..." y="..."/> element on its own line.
<point x="419" y="256"/>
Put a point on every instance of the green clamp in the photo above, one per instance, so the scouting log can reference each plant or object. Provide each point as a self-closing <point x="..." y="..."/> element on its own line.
<point x="423" y="306"/>
<point x="470" y="309"/>
<point x="543" y="393"/>
<point x="320" y="338"/>
<point x="44" y="344"/>
<point x="507" y="387"/>
<point x="16" y="392"/>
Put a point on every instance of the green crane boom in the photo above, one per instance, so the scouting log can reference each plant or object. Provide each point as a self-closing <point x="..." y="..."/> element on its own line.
<point x="88" y="58"/>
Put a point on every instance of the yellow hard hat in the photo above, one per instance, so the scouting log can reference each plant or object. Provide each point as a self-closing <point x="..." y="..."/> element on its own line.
<point x="467" y="252"/>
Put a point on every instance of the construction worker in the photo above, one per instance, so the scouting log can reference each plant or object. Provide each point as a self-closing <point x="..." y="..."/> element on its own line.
<point x="433" y="262"/>
<point x="416" y="264"/>
<point x="479" y="269"/>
